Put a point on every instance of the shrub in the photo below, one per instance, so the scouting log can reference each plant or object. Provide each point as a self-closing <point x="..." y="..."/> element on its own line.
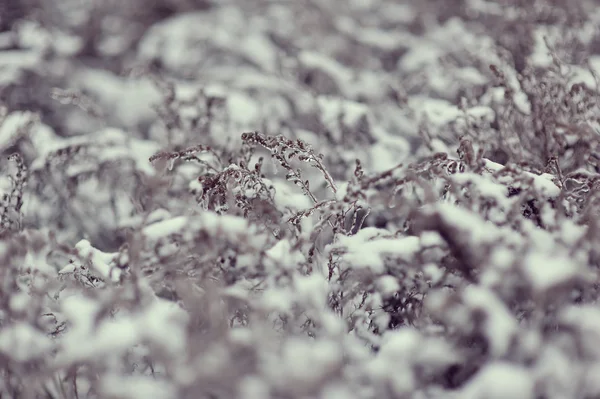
<point x="299" y="200"/>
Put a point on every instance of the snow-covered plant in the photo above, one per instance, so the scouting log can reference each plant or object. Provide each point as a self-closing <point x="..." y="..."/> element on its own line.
<point x="318" y="199"/>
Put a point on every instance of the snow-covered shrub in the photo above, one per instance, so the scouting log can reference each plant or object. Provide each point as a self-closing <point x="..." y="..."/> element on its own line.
<point x="319" y="199"/>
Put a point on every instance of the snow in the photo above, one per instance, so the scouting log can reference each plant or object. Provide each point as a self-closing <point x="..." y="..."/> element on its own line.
<point x="160" y="324"/>
<point x="32" y="35"/>
<point x="401" y="344"/>
<point x="438" y="112"/>
<point x="469" y="223"/>
<point x="500" y="325"/>
<point x="283" y="254"/>
<point x="587" y="320"/>
<point x="15" y="125"/>
<point x="571" y="232"/>
<point x="312" y="289"/>
<point x="287" y="196"/>
<point x="133" y="387"/>
<point x="368" y="247"/>
<point x="381" y="39"/>
<point x="102" y="263"/>
<point x="164" y="228"/>
<point x="388" y="285"/>
<point x="331" y="67"/>
<point x="334" y="110"/>
<point x="260" y="50"/>
<point x="38" y="262"/>
<point x="500" y="381"/>
<point x="337" y="391"/>
<point x="397" y="12"/>
<point x="420" y="55"/>
<point x="522" y="102"/>
<point x="230" y="226"/>
<point x="481" y="112"/>
<point x="350" y="111"/>
<point x="472" y="76"/>
<point x="399" y="351"/>
<point x="544" y="184"/>
<point x="433" y="272"/>
<point x="243" y="110"/>
<point x="309" y="362"/>
<point x="23" y="342"/>
<point x="108" y="143"/>
<point x="144" y="149"/>
<point x="486" y="188"/>
<point x="253" y="387"/>
<point x="546" y="272"/>
<point x="592" y="387"/>
<point x="18" y="59"/>
<point x="277" y="300"/>
<point x="213" y="298"/>
<point x="541" y="54"/>
<point x="131" y="100"/>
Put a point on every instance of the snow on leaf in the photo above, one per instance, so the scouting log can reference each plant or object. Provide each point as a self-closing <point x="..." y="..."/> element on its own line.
<point x="165" y="228"/>
<point x="367" y="248"/>
<point x="23" y="342"/>
<point x="500" y="325"/>
<point x="133" y="387"/>
<point x="101" y="262"/>
<point x="15" y="125"/>
<point x="546" y="272"/>
<point x="500" y="381"/>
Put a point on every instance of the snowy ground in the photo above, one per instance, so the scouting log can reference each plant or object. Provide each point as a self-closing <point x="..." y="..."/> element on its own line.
<point x="299" y="199"/>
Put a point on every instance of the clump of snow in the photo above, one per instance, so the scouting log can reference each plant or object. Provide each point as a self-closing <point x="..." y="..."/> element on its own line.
<point x="500" y="381"/>
<point x="368" y="248"/>
<point x="23" y="342"/>
<point x="117" y="385"/>
<point x="15" y="125"/>
<point x="101" y="262"/>
<point x="500" y="325"/>
<point x="165" y="227"/>
<point x="546" y="271"/>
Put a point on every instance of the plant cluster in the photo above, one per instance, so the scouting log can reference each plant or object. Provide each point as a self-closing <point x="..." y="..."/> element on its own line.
<point x="315" y="199"/>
